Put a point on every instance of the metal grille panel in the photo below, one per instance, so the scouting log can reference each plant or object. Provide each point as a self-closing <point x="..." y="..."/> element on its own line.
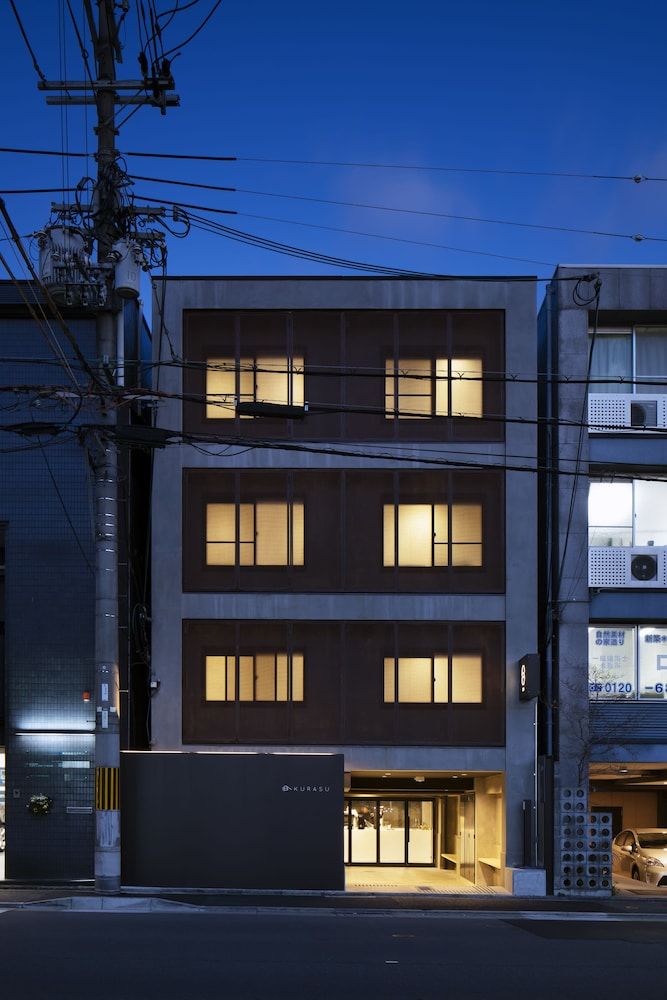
<point x="583" y="847"/>
<point x="614" y="411"/>
<point x="613" y="567"/>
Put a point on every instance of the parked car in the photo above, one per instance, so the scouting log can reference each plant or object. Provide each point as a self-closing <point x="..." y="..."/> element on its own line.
<point x="641" y="854"/>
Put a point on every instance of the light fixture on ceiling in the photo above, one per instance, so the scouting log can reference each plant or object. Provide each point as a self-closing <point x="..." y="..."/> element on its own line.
<point x="419" y="777"/>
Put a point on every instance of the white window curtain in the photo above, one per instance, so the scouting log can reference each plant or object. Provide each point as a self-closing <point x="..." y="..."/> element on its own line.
<point x="650" y="358"/>
<point x="612" y="358"/>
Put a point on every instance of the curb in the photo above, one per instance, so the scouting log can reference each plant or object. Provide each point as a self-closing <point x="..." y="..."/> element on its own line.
<point x="149" y="904"/>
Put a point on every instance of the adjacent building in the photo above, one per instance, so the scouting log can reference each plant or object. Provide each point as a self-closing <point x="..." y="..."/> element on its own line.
<point x="47" y="589"/>
<point x="604" y="578"/>
<point x="344" y="566"/>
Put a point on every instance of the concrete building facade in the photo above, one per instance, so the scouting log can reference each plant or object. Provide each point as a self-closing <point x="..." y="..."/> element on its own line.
<point x="604" y="505"/>
<point x="355" y="574"/>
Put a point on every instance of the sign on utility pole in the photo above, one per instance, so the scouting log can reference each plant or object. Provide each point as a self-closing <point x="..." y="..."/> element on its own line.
<point x="102" y="288"/>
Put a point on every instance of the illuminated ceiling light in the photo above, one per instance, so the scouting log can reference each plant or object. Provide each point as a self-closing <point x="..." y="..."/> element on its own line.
<point x="419" y="777"/>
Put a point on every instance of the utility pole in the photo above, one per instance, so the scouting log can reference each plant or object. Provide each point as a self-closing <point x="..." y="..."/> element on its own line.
<point x="104" y="458"/>
<point x="69" y="274"/>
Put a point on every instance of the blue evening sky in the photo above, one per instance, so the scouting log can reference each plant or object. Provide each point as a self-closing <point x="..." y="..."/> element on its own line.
<point x="519" y="85"/>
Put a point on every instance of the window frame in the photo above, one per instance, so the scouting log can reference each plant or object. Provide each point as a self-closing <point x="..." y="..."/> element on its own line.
<point x="634" y="527"/>
<point x="253" y="365"/>
<point x="238" y="542"/>
<point x="636" y="695"/>
<point x="440" y="369"/>
<point x="441" y="703"/>
<point x="450" y="545"/>
<point x="631" y="386"/>
<point x="237" y="657"/>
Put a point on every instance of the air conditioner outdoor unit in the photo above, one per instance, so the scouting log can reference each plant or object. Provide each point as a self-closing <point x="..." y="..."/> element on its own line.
<point x="644" y="567"/>
<point x="644" y="413"/>
<point x="630" y="568"/>
<point x="614" y="411"/>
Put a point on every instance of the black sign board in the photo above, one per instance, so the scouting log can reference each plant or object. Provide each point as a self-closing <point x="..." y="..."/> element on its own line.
<point x="529" y="677"/>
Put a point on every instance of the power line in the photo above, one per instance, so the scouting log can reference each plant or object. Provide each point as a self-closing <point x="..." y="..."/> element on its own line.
<point x="58" y="190"/>
<point x="396" y="239"/>
<point x="29" y="47"/>
<point x="373" y="165"/>
<point x="127" y="397"/>
<point x="237" y="441"/>
<point x="196" y="31"/>
<point x="251" y="239"/>
<point x="52" y="304"/>
<point x="82" y="47"/>
<point x="42" y="152"/>
<point x="636" y="237"/>
<point x="66" y="512"/>
<point x="317" y="408"/>
<point x="42" y="324"/>
<point x="636" y="178"/>
<point x="211" y="226"/>
<point x="353" y="371"/>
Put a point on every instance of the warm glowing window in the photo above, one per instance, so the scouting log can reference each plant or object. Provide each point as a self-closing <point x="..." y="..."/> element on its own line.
<point x="260" y="677"/>
<point x="432" y="535"/>
<point x="421" y="388"/>
<point x="433" y="679"/>
<point x="465" y="379"/>
<point x="466" y="678"/>
<point x="261" y="379"/>
<point x="265" y="533"/>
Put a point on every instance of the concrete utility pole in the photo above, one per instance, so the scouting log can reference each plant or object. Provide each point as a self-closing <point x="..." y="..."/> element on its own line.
<point x="105" y="464"/>
<point x="110" y="223"/>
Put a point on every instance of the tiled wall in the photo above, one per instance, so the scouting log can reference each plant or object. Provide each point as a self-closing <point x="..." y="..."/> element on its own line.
<point x="49" y="614"/>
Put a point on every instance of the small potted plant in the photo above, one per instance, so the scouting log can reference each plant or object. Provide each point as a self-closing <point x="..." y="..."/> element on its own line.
<point x="39" y="805"/>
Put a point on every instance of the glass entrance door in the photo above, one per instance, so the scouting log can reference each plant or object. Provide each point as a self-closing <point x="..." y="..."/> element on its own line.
<point x="389" y="831"/>
<point x="392" y="832"/>
<point x="363" y="830"/>
<point x="420" y="832"/>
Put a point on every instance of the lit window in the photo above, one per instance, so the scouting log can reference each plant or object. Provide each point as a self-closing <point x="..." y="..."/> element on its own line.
<point x="262" y="677"/>
<point x="466" y="678"/>
<point x="612" y="663"/>
<point x="424" y="680"/>
<point x="421" y="388"/>
<point x="249" y="380"/>
<point x="420" y="534"/>
<point x="630" y="513"/>
<point x="630" y="358"/>
<point x="255" y="534"/>
<point x="627" y="662"/>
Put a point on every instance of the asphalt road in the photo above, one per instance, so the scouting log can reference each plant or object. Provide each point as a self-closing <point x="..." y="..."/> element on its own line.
<point x="192" y="956"/>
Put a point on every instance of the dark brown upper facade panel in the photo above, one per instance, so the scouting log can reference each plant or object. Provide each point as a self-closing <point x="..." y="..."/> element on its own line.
<point x="365" y="375"/>
<point x="332" y="531"/>
<point x="345" y="694"/>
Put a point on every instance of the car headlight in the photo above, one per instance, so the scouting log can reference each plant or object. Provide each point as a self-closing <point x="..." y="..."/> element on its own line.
<point x="655" y="862"/>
